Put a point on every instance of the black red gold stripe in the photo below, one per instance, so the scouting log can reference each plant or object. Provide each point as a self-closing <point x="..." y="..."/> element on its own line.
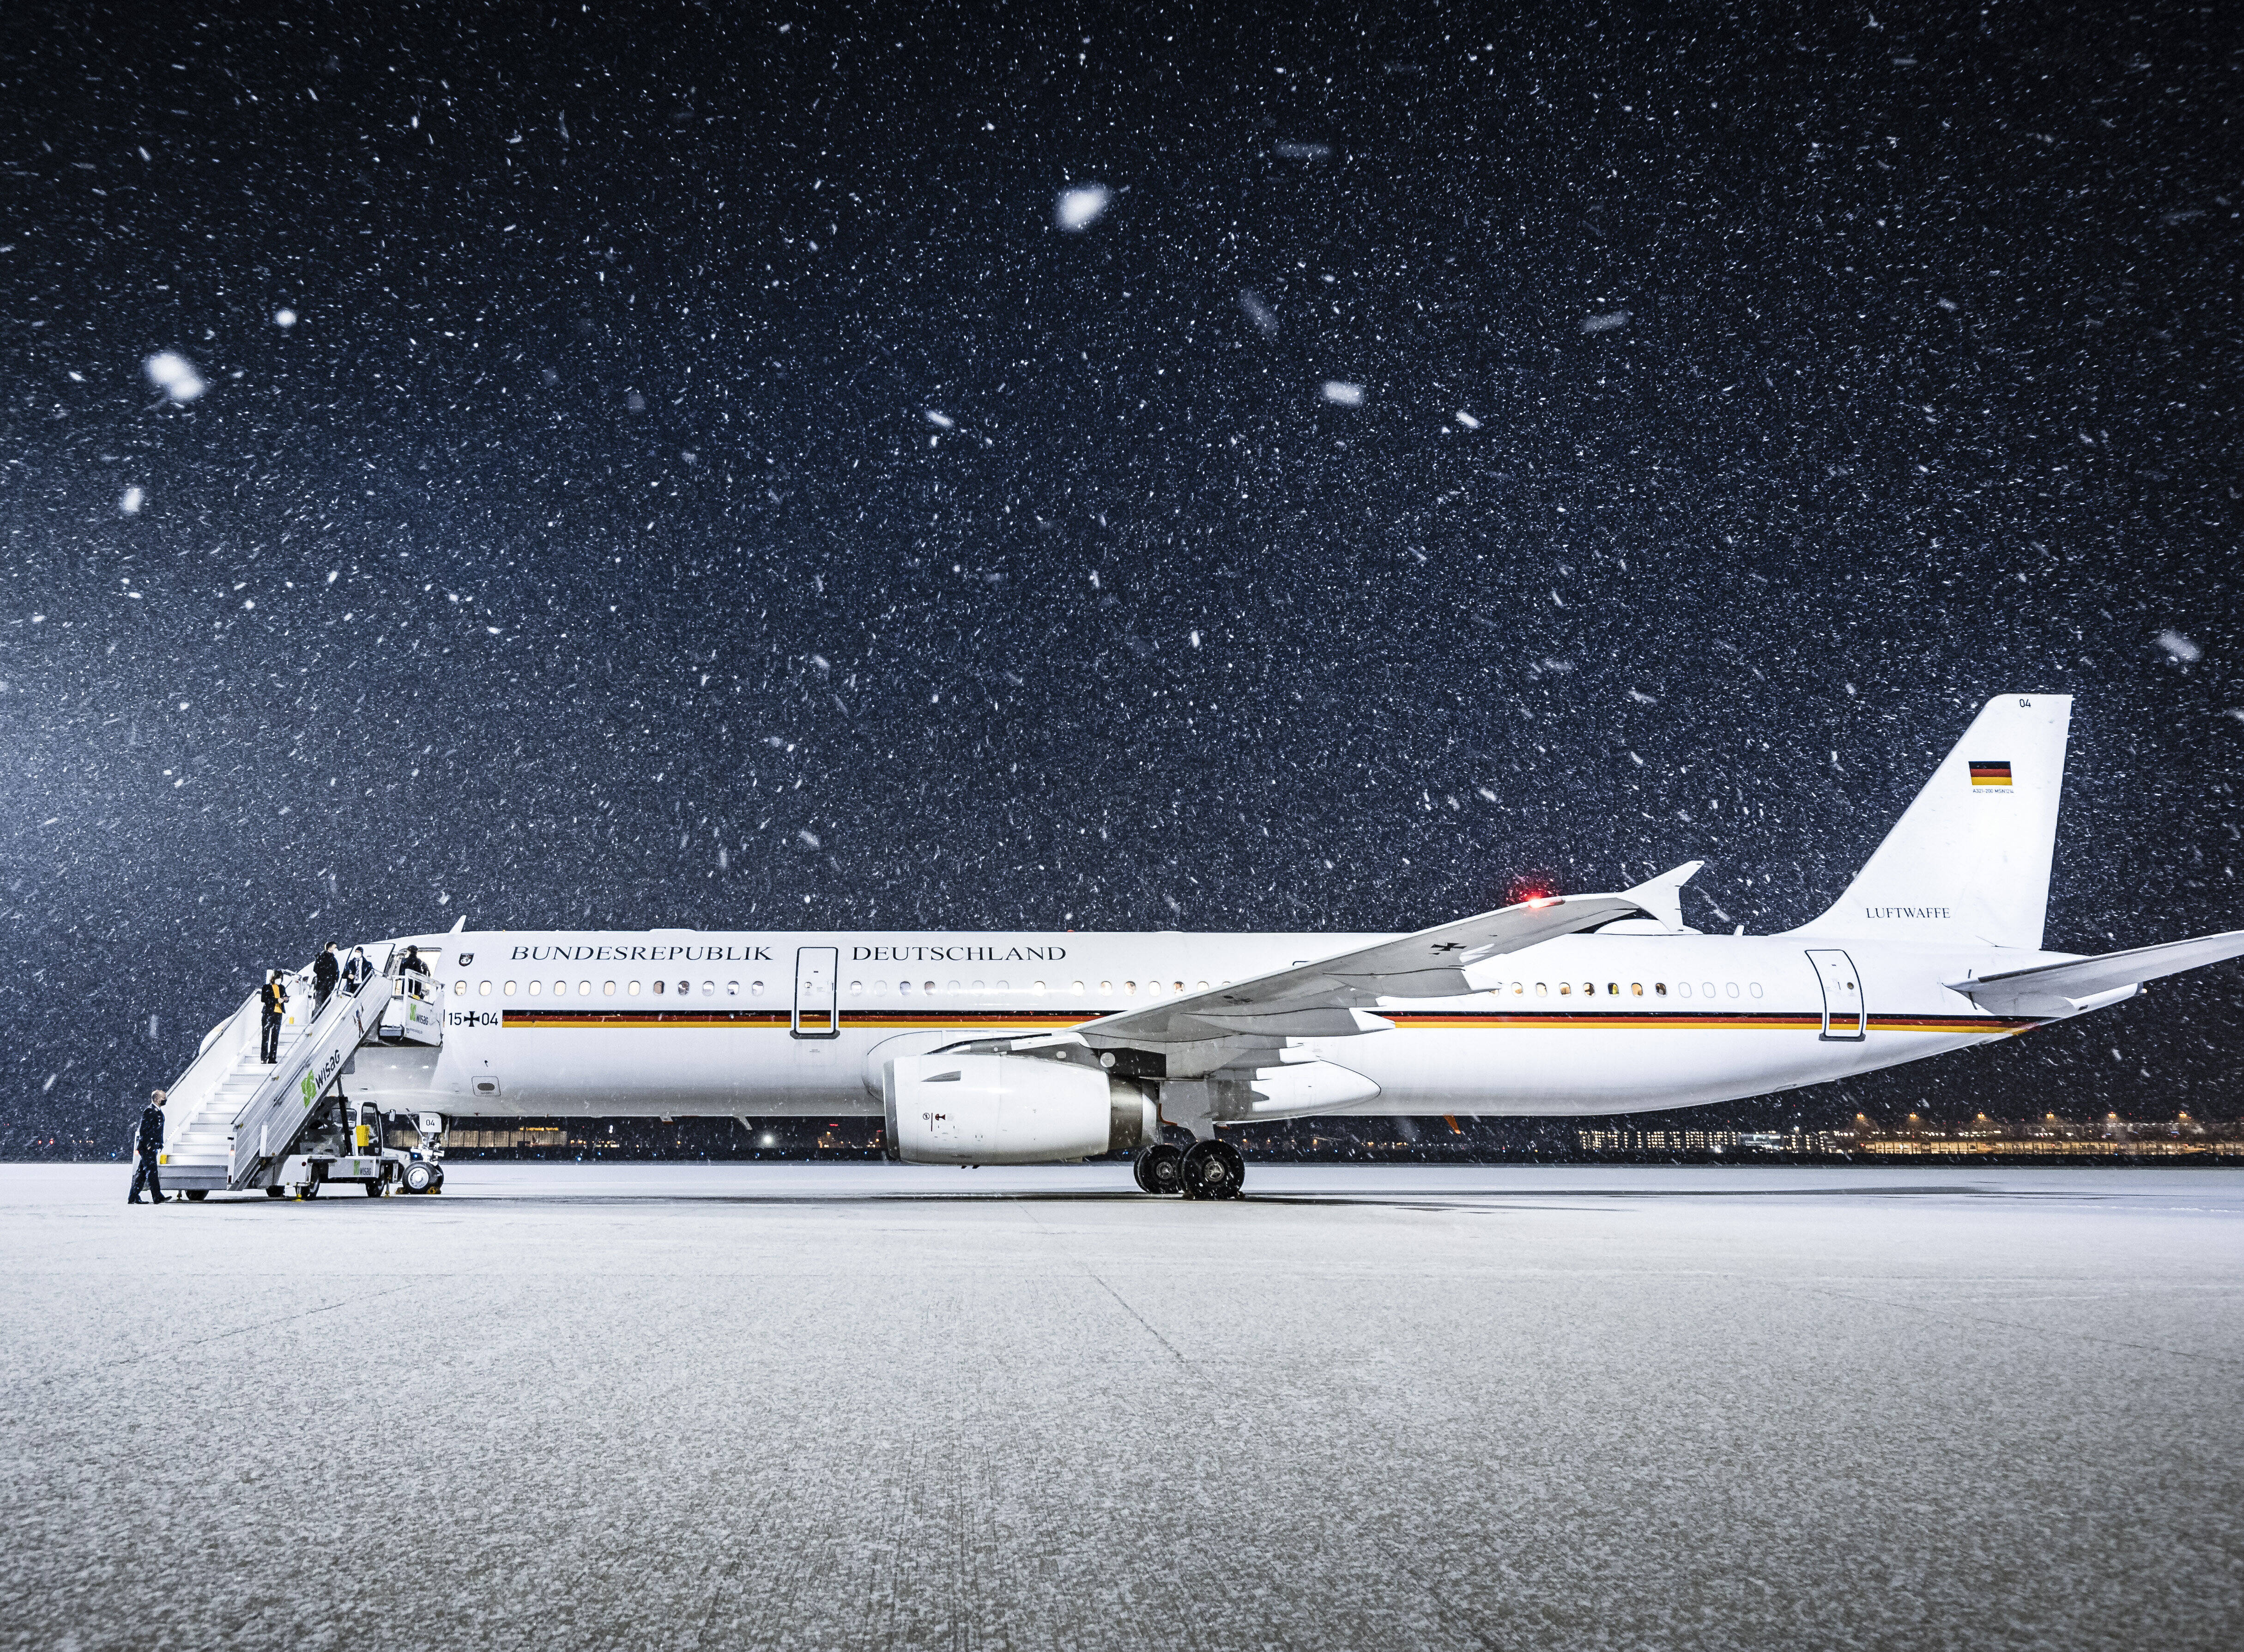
<point x="1459" y="1020"/>
<point x="1990" y="775"/>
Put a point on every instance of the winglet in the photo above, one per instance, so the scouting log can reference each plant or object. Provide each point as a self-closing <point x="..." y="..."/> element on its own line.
<point x="1663" y="896"/>
<point x="458" y="925"/>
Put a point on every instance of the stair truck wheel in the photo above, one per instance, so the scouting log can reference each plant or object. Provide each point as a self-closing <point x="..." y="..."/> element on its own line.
<point x="276" y="1192"/>
<point x="373" y="1189"/>
<point x="197" y="1194"/>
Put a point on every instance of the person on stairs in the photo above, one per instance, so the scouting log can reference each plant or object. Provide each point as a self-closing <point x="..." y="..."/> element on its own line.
<point x="272" y="1004"/>
<point x="145" y="1146"/>
<point x="357" y="968"/>
<point x="327" y="969"/>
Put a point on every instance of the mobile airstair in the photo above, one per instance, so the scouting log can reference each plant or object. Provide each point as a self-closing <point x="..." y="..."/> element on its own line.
<point x="235" y="1123"/>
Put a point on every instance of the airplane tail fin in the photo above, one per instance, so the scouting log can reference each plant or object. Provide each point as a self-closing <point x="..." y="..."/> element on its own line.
<point x="1969" y="861"/>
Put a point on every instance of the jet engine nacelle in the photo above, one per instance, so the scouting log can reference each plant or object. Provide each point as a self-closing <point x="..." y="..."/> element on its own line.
<point x="1008" y="1109"/>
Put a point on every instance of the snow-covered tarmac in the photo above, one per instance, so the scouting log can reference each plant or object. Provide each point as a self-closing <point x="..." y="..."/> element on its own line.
<point x="871" y="1407"/>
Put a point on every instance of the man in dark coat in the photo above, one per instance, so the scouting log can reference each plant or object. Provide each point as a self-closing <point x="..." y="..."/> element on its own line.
<point x="145" y="1146"/>
<point x="356" y="970"/>
<point x="325" y="968"/>
<point x="272" y="1004"/>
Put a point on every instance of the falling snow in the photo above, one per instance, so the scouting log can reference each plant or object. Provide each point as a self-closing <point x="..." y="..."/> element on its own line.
<point x="701" y="470"/>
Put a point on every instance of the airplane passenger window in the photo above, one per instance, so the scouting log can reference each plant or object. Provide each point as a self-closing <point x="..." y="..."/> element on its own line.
<point x="1106" y="986"/>
<point x="657" y="986"/>
<point x="855" y="988"/>
<point x="1199" y="985"/>
<point x="708" y="989"/>
<point x="755" y="989"/>
<point x="1636" y="989"/>
<point x="1180" y="986"/>
<point x="949" y="985"/>
<point x="536" y="988"/>
<point x="1154" y="988"/>
<point x="608" y="989"/>
<point x="1706" y="988"/>
<point x="905" y="986"/>
<point x="1756" y="989"/>
<point x="1542" y="990"/>
<point x="1518" y="987"/>
<point x="560" y="989"/>
<point x="460" y="988"/>
<point x="632" y="990"/>
<point x="1003" y="987"/>
<point x="584" y="990"/>
<point x="1076" y="986"/>
<point x="882" y="988"/>
<point x="508" y="989"/>
<point x="1566" y="989"/>
<point x="733" y="989"/>
<point x="977" y="985"/>
<point x="930" y="987"/>
<point x="1589" y="988"/>
<point x="1660" y="989"/>
<point x="686" y="988"/>
<point x="1129" y="988"/>
<point x="1731" y="987"/>
<point x="1612" y="989"/>
<point x="1682" y="989"/>
<point x="483" y="990"/>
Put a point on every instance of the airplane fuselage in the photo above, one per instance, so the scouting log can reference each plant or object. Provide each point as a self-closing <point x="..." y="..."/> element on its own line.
<point x="801" y="1023"/>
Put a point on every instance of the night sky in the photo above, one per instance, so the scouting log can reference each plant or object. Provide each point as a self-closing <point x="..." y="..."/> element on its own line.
<point x="677" y="465"/>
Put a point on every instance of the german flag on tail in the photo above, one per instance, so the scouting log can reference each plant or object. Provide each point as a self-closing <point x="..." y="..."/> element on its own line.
<point x="1990" y="775"/>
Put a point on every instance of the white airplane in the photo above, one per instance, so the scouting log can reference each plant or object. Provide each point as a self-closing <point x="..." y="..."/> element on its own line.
<point x="1042" y="1046"/>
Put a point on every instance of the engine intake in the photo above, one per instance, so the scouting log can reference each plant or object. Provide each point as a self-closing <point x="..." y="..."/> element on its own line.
<point x="1008" y="1109"/>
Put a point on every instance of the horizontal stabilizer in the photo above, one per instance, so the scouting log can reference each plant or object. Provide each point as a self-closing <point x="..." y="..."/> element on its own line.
<point x="2063" y="988"/>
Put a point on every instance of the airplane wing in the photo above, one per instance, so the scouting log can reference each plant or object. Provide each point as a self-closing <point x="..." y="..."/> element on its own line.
<point x="1327" y="997"/>
<point x="2061" y="990"/>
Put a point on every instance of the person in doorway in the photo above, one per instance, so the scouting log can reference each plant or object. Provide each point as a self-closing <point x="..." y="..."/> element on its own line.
<point x="357" y="969"/>
<point x="327" y="969"/>
<point x="412" y="964"/>
<point x="145" y="1146"/>
<point x="272" y="1004"/>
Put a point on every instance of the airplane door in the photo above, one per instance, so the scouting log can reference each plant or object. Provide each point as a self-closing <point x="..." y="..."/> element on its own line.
<point x="817" y="969"/>
<point x="1845" y="1017"/>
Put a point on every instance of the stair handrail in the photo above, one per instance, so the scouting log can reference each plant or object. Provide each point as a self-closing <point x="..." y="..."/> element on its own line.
<point x="189" y="1093"/>
<point x="265" y="1130"/>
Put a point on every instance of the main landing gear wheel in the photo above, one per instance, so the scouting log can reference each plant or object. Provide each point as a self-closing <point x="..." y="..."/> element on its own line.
<point x="420" y="1177"/>
<point x="1159" y="1168"/>
<point x="1213" y="1170"/>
